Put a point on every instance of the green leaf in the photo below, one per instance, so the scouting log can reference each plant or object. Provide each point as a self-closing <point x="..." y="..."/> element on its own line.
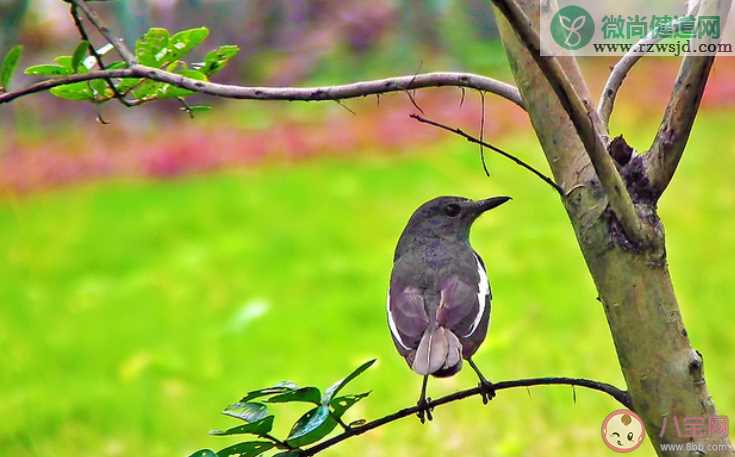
<point x="204" y="453"/>
<point x="247" y="449"/>
<point x="181" y="43"/>
<point x="100" y="89"/>
<point x="283" y="386"/>
<point x="199" y="108"/>
<point x="79" y="54"/>
<point x="305" y="394"/>
<point x="341" y="404"/>
<point x="337" y="386"/>
<point x="291" y="453"/>
<point x="74" y="91"/>
<point x="259" y="428"/>
<point x="65" y="61"/>
<point x="47" y="69"/>
<point x="311" y="427"/>
<point x="216" y="59"/>
<point x="147" y="89"/>
<point x="126" y="84"/>
<point x="117" y="65"/>
<point x="247" y="411"/>
<point x="7" y="67"/>
<point x="152" y="48"/>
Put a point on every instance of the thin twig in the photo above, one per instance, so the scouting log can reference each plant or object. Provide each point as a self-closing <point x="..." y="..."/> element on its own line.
<point x="482" y="133"/>
<point x="507" y="155"/>
<point x="118" y="44"/>
<point x="619" y="395"/>
<point x="410" y="93"/>
<point x="83" y="34"/>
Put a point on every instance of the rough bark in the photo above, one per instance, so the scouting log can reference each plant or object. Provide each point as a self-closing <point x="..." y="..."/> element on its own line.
<point x="664" y="374"/>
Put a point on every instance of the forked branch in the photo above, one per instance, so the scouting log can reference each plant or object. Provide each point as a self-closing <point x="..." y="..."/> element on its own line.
<point x="585" y="119"/>
<point x="117" y="43"/>
<point x="681" y="111"/>
<point x="625" y="64"/>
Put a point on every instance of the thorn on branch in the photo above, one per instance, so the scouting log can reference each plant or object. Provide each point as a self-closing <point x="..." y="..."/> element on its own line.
<point x="185" y="107"/>
<point x="100" y="119"/>
<point x="340" y="103"/>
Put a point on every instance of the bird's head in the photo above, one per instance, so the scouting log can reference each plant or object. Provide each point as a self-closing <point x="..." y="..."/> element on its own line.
<point x="449" y="217"/>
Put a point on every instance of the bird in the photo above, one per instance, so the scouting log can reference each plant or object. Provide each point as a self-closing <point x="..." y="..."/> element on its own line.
<point x="439" y="296"/>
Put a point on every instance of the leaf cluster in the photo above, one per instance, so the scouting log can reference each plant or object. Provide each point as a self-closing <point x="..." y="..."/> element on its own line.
<point x="253" y="409"/>
<point x="157" y="48"/>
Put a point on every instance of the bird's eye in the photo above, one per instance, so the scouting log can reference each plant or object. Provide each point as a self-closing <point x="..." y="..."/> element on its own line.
<point x="630" y="436"/>
<point x="452" y="210"/>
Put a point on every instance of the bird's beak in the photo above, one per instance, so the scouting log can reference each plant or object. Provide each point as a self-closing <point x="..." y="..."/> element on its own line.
<point x="489" y="203"/>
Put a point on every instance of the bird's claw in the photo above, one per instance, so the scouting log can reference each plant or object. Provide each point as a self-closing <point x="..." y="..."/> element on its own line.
<point x="424" y="410"/>
<point x="487" y="391"/>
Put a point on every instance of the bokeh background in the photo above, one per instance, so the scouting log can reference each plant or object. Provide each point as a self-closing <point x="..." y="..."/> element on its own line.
<point x="154" y="269"/>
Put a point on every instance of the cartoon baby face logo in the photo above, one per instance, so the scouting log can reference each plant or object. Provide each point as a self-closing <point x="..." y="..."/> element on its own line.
<point x="622" y="431"/>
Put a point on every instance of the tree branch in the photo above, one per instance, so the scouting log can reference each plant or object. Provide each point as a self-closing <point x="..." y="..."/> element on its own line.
<point x="623" y="67"/>
<point x="619" y="395"/>
<point x="338" y="92"/>
<point x="585" y="119"/>
<point x="118" y="43"/>
<point x="672" y="136"/>
<point x="507" y="155"/>
<point x="83" y="34"/>
<point x="334" y="93"/>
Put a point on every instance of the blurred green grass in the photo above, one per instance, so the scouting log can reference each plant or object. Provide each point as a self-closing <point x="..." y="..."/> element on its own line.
<point x="131" y="312"/>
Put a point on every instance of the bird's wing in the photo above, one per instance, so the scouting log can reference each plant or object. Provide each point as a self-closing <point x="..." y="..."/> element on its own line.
<point x="464" y="304"/>
<point x="406" y="316"/>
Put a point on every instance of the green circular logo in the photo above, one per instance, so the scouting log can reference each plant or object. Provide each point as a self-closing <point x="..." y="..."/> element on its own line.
<point x="572" y="27"/>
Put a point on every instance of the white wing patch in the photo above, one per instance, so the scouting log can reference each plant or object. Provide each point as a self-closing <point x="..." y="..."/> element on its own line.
<point x="392" y="325"/>
<point x="483" y="291"/>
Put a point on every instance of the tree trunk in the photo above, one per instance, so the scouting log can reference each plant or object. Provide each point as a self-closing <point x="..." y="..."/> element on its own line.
<point x="664" y="374"/>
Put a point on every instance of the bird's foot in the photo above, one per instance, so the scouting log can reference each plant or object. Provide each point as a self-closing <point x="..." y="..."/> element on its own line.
<point x="487" y="391"/>
<point x="424" y="410"/>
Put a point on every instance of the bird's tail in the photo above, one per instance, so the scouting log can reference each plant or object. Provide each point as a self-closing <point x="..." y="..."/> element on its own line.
<point x="439" y="353"/>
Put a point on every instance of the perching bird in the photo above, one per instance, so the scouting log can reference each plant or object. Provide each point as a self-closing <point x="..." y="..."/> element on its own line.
<point x="439" y="296"/>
